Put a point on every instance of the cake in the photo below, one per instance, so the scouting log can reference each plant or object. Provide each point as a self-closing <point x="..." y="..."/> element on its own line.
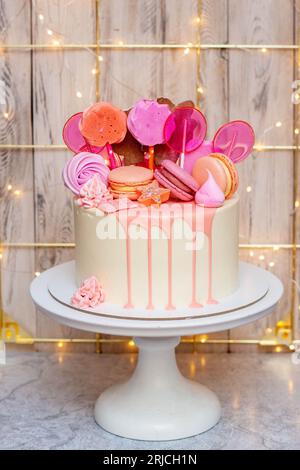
<point x="156" y="237"/>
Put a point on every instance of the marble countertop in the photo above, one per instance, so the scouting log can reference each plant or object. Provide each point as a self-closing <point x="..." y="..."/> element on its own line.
<point x="47" y="400"/>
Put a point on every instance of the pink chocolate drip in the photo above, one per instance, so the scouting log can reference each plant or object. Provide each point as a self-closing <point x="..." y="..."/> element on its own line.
<point x="126" y="224"/>
<point x="149" y="242"/>
<point x="208" y="219"/>
<point x="170" y="305"/>
<point x="194" y="303"/>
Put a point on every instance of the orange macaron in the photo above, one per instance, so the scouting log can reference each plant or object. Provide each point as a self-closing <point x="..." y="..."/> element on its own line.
<point x="127" y="181"/>
<point x="222" y="169"/>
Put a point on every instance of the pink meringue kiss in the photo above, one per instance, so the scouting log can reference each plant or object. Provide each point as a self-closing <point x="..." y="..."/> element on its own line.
<point x="210" y="194"/>
<point x="89" y="294"/>
<point x="93" y="193"/>
<point x="146" y="122"/>
<point x="81" y="168"/>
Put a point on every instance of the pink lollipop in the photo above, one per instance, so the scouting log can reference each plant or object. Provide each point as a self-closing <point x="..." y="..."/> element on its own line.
<point x="235" y="139"/>
<point x="184" y="130"/>
<point x="82" y="167"/>
<point x="146" y="123"/>
<point x="73" y="138"/>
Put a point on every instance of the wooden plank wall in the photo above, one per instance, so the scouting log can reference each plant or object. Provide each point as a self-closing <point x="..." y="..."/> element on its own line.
<point x="41" y="90"/>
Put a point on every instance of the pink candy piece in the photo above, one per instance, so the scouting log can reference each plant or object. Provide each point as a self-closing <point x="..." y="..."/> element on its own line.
<point x="210" y="194"/>
<point x="205" y="149"/>
<point x="93" y="193"/>
<point x="146" y="122"/>
<point x="235" y="139"/>
<point x="89" y="294"/>
<point x="185" y="129"/>
<point x="73" y="138"/>
<point x="82" y="167"/>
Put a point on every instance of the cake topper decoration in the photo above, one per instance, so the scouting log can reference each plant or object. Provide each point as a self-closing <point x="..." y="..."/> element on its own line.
<point x="153" y="194"/>
<point x="73" y="138"/>
<point x="93" y="193"/>
<point x="89" y="294"/>
<point x="234" y="139"/>
<point x="80" y="168"/>
<point x="102" y="124"/>
<point x="184" y="130"/>
<point x="146" y="123"/>
<point x="210" y="194"/>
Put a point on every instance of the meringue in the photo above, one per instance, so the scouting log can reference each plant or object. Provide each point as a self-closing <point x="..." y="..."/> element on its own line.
<point x="210" y="194"/>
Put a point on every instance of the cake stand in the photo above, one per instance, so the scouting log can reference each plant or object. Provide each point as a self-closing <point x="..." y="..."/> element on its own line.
<point x="157" y="402"/>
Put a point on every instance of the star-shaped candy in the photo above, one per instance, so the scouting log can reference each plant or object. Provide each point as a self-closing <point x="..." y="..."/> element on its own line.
<point x="153" y="194"/>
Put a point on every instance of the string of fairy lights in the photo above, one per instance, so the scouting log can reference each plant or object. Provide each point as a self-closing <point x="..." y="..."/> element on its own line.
<point x="58" y="42"/>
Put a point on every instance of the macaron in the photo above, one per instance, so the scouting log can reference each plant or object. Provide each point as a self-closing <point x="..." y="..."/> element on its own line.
<point x="126" y="181"/>
<point x="181" y="184"/>
<point x="221" y="168"/>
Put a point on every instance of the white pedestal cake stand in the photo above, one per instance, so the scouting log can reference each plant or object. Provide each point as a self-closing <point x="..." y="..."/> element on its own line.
<point x="157" y="402"/>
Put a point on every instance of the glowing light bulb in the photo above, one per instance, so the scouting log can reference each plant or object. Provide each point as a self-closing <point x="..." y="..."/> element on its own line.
<point x="9" y="187"/>
<point x="275" y="248"/>
<point x="100" y="58"/>
<point x="271" y="264"/>
<point x="1" y="255"/>
<point x="297" y="204"/>
<point x="6" y="115"/>
<point x="121" y="43"/>
<point x="198" y="20"/>
<point x="249" y="189"/>
<point x="49" y="32"/>
<point x="131" y="343"/>
<point x="259" y="147"/>
<point x="94" y="71"/>
<point x="41" y="17"/>
<point x="79" y="94"/>
<point x="200" y="90"/>
<point x="278" y="124"/>
<point x="37" y="274"/>
<point x="186" y="51"/>
<point x="278" y="349"/>
<point x="261" y="257"/>
<point x="56" y="42"/>
<point x="60" y="344"/>
<point x="17" y="192"/>
<point x="263" y="49"/>
<point x="296" y="131"/>
<point x="251" y="253"/>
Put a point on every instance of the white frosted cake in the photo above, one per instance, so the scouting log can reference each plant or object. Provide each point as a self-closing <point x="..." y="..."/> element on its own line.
<point x="161" y="234"/>
<point x="147" y="265"/>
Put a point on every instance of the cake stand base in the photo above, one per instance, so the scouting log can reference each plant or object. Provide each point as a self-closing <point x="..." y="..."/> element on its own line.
<point x="157" y="403"/>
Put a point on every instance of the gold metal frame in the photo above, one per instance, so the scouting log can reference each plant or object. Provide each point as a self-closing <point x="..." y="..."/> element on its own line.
<point x="198" y="47"/>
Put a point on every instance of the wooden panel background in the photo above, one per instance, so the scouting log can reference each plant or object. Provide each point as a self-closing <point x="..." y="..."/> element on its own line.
<point x="41" y="90"/>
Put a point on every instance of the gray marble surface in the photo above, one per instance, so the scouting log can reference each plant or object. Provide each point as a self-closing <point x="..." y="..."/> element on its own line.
<point x="46" y="401"/>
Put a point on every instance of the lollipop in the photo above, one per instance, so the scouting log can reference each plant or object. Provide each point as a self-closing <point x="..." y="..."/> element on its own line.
<point x="73" y="138"/>
<point x="234" y="139"/>
<point x="184" y="130"/>
<point x="146" y="123"/>
<point x="82" y="167"/>
<point x="103" y="125"/>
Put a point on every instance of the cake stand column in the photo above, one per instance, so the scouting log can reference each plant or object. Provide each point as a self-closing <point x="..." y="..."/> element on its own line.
<point x="157" y="402"/>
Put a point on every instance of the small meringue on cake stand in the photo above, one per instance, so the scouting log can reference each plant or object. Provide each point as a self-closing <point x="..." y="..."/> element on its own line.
<point x="157" y="402"/>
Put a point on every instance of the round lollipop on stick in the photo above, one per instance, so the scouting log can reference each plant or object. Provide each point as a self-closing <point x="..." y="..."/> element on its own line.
<point x="102" y="124"/>
<point x="235" y="139"/>
<point x="146" y="123"/>
<point x="184" y="130"/>
<point x="73" y="138"/>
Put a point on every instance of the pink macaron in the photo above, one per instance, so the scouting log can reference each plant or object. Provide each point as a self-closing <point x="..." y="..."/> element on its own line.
<point x="181" y="184"/>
